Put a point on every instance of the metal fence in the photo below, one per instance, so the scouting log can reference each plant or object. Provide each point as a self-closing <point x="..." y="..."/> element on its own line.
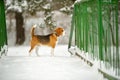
<point x="3" y="34"/>
<point x="95" y="30"/>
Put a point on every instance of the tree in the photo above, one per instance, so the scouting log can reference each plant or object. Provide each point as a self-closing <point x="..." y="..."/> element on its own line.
<point x="17" y="6"/>
<point x="48" y="16"/>
<point x="20" y="31"/>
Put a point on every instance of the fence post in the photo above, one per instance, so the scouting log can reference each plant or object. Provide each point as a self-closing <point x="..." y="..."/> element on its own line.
<point x="3" y="33"/>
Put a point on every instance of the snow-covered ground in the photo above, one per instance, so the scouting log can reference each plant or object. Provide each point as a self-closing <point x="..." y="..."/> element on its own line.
<point x="19" y="66"/>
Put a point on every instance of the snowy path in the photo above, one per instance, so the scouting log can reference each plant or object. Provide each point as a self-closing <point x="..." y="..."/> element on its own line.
<point x="19" y="66"/>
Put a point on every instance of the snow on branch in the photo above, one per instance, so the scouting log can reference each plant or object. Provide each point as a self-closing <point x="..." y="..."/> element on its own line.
<point x="15" y="5"/>
<point x="38" y="2"/>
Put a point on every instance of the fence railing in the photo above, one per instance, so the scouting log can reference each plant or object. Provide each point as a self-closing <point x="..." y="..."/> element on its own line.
<point x="3" y="34"/>
<point x="95" y="31"/>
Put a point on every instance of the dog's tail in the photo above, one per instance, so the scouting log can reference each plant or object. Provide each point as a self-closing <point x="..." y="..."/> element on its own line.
<point x="32" y="31"/>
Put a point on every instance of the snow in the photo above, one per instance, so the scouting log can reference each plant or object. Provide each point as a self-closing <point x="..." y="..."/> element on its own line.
<point x="38" y="2"/>
<point x="77" y="1"/>
<point x="15" y="8"/>
<point x="16" y="5"/>
<point x="96" y="63"/>
<point x="3" y="49"/>
<point x="47" y="6"/>
<point x="62" y="66"/>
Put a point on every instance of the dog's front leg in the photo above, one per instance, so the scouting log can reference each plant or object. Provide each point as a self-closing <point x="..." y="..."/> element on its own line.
<point x="52" y="51"/>
<point x="36" y="50"/>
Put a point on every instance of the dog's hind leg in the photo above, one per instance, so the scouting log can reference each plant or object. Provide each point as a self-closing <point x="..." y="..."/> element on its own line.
<point x="32" y="47"/>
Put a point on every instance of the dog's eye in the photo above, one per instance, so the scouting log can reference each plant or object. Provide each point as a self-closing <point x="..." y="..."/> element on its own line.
<point x="62" y="30"/>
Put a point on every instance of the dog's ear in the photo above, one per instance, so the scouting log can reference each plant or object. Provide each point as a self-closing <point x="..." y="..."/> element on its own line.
<point x="54" y="28"/>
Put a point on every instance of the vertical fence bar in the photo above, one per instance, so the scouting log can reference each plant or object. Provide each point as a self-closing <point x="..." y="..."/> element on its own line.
<point x="117" y="39"/>
<point x="86" y="28"/>
<point x="3" y="33"/>
<point x="72" y="29"/>
<point x="78" y="27"/>
<point x="100" y="30"/>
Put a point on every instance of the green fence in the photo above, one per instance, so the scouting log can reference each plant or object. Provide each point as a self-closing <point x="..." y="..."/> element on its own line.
<point x="95" y="30"/>
<point x="3" y="35"/>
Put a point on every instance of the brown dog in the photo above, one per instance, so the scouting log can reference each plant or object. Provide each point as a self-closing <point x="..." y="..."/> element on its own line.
<point x="49" y="40"/>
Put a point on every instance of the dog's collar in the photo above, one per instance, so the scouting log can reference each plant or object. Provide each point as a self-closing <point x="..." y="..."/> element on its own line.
<point x="56" y="34"/>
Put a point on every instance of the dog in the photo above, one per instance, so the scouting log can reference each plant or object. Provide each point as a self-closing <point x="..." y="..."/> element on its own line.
<point x="48" y="40"/>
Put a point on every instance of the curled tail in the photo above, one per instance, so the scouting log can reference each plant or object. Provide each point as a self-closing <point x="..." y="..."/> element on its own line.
<point x="32" y="31"/>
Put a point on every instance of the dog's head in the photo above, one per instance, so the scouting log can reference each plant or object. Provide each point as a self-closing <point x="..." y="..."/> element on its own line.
<point x="59" y="31"/>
